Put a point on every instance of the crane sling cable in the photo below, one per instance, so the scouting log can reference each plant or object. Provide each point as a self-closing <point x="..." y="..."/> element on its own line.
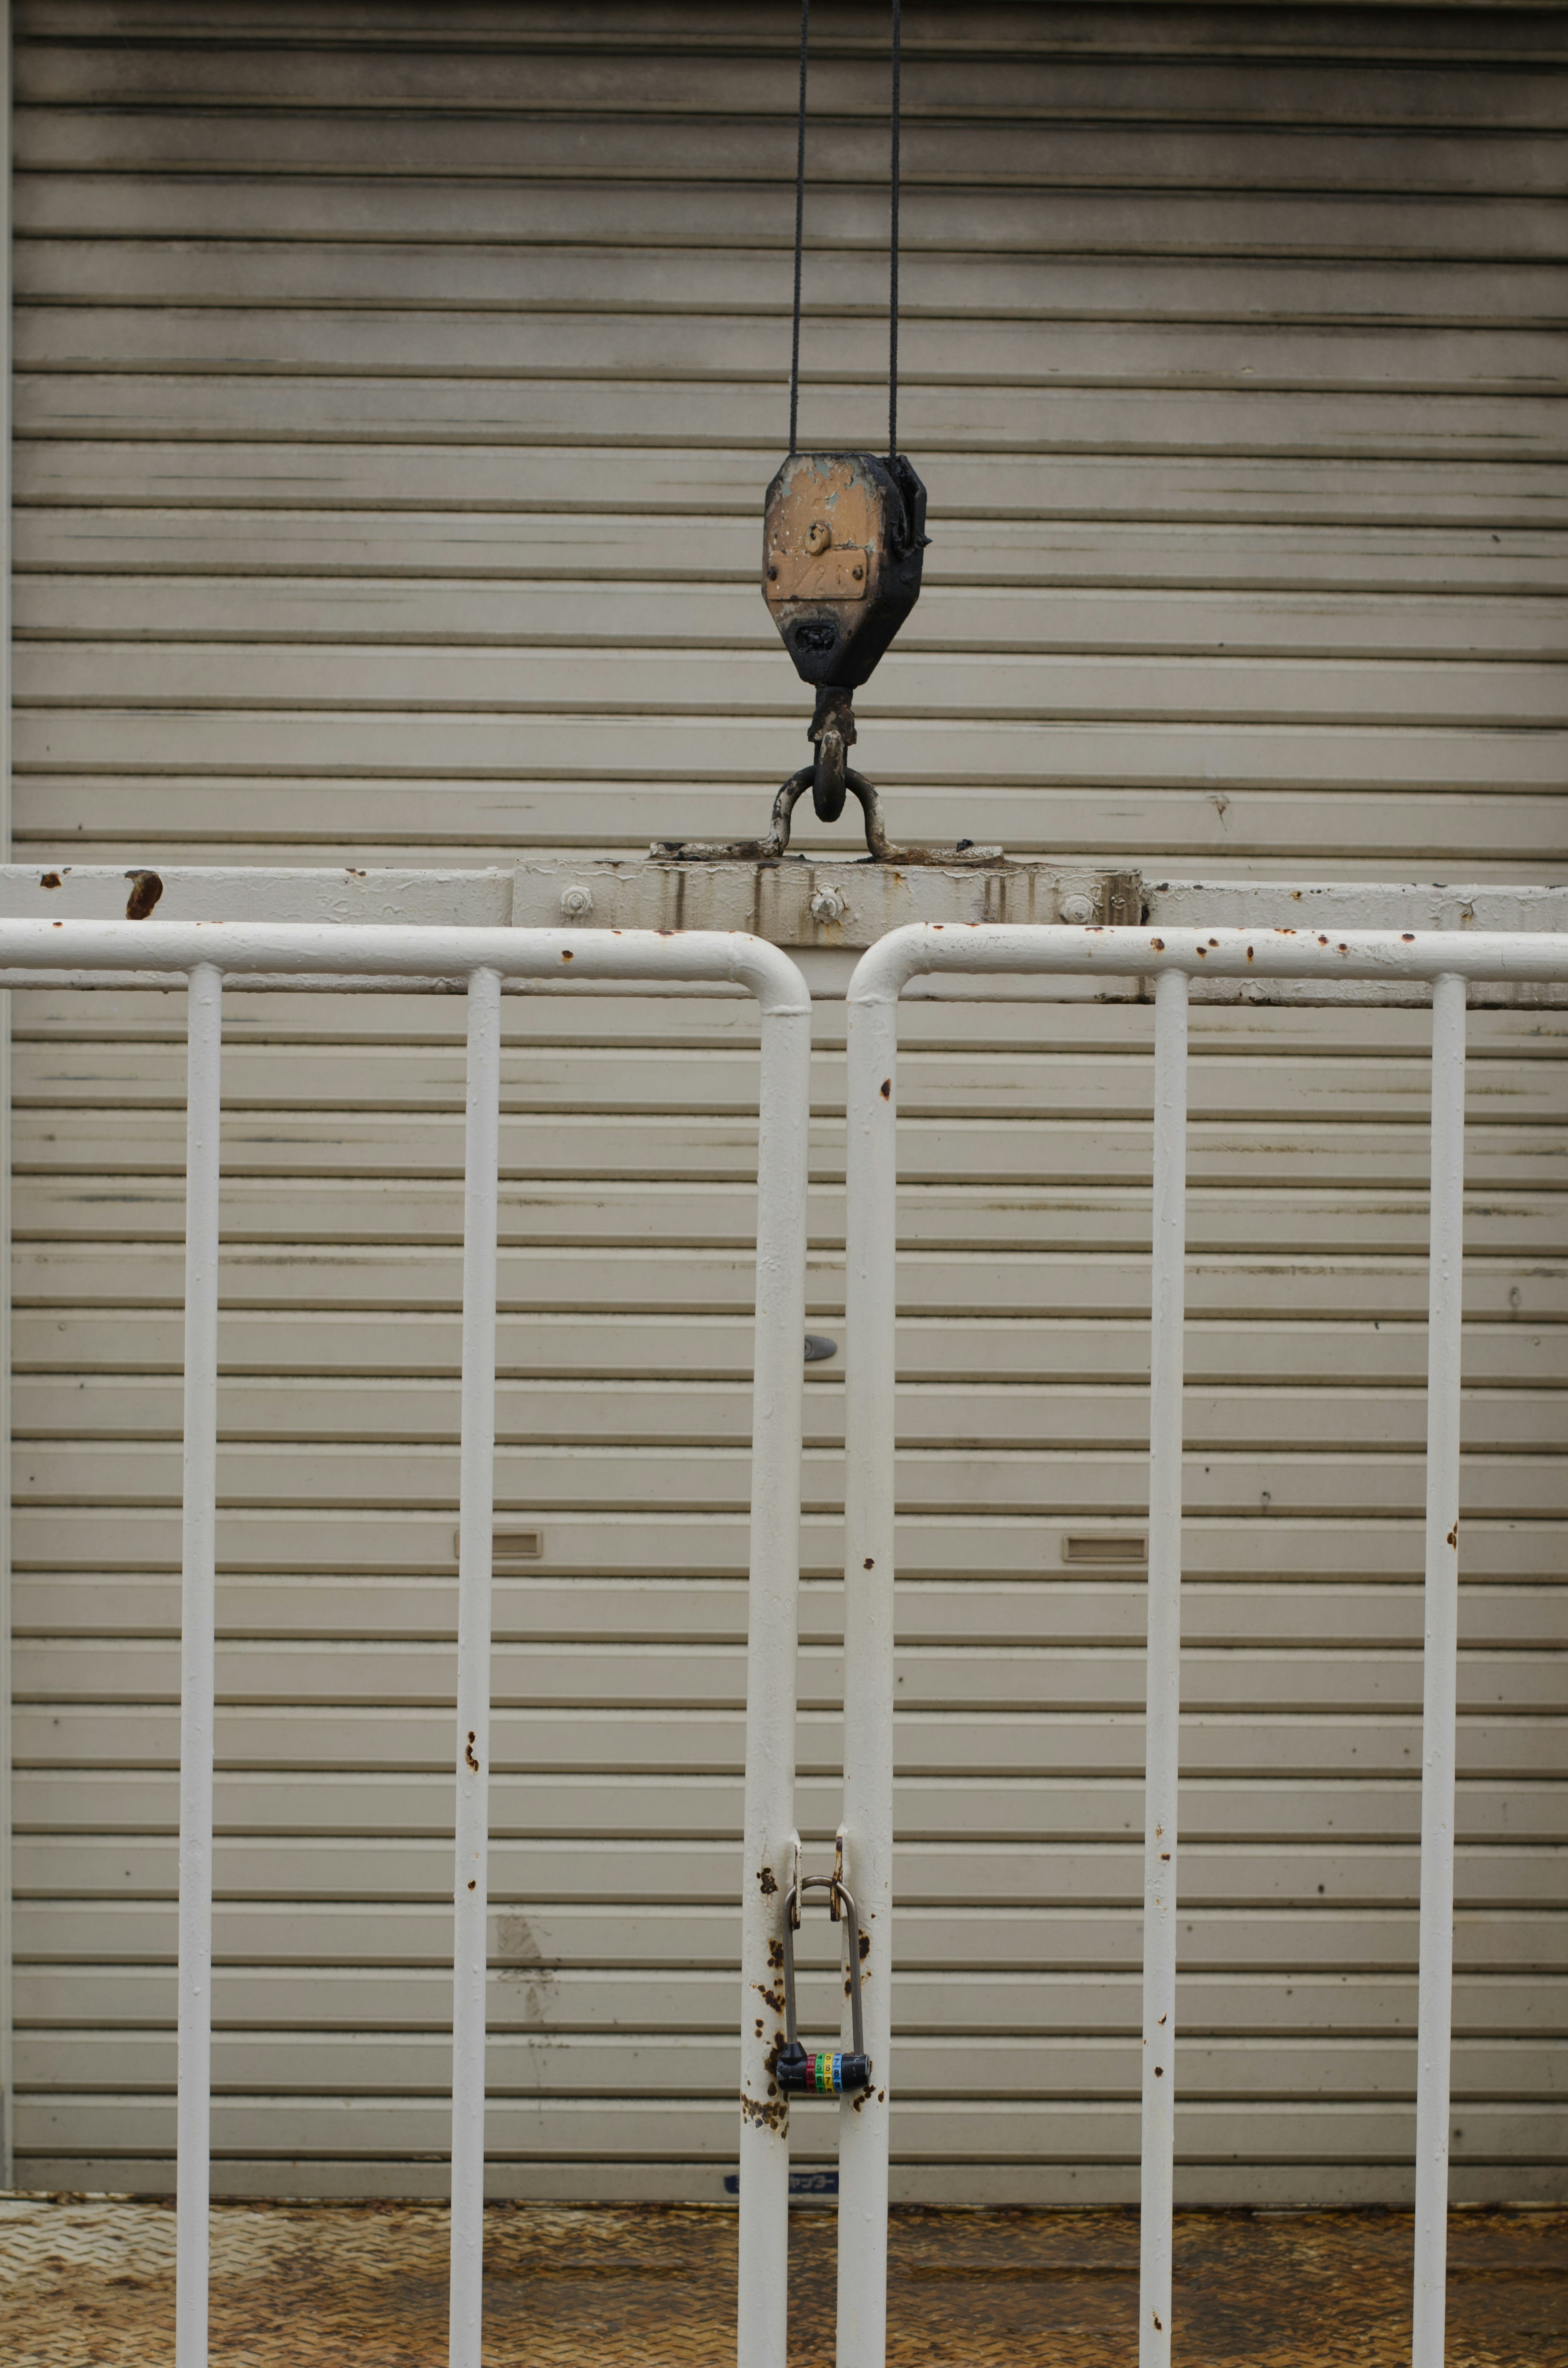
<point x="843" y="543"/>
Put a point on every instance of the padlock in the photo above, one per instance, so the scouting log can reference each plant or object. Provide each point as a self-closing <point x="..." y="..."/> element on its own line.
<point x="829" y="2073"/>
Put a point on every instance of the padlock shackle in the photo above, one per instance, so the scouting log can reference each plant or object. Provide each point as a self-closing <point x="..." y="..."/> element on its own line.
<point x="840" y="1897"/>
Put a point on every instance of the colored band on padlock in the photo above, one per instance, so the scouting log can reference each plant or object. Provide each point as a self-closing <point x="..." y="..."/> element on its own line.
<point x="828" y="2074"/>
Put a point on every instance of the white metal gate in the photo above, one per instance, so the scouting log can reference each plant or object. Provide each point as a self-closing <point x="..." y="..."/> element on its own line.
<point x="1170" y="957"/>
<point x="477" y="961"/>
<point x="348" y="957"/>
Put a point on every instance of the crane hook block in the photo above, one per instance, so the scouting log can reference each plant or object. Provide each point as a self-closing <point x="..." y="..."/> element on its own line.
<point x="844" y="534"/>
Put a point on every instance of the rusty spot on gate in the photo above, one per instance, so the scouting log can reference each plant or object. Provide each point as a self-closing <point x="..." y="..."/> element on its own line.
<point x="145" y="890"/>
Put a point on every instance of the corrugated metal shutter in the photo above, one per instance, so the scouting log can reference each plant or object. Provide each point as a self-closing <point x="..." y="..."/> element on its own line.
<point x="397" y="388"/>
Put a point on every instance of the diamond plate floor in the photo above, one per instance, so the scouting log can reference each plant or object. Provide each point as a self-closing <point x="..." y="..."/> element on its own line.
<point x="365" y="2286"/>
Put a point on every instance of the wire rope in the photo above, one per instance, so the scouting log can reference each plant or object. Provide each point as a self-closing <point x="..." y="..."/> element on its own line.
<point x="893" y="245"/>
<point x="892" y="233"/>
<point x="799" y="225"/>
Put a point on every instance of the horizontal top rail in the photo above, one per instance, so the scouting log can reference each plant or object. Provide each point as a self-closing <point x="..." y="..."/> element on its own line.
<point x="1533" y="956"/>
<point x="359" y="956"/>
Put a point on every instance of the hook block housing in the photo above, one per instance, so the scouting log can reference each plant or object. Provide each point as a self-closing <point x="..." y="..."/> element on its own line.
<point x="842" y="539"/>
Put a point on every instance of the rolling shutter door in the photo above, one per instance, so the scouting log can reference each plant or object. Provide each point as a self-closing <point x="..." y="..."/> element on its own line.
<point x="396" y="389"/>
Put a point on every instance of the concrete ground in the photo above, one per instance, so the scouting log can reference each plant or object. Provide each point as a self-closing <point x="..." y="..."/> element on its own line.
<point x="85" y="2281"/>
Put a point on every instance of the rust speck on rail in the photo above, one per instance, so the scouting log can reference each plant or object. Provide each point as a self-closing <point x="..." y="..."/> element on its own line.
<point x="764" y="1881"/>
<point x="49" y="880"/>
<point x="467" y="1752"/>
<point x="1158" y="944"/>
<point x="887" y="1089"/>
<point x="145" y="890"/>
<point x="1454" y="1535"/>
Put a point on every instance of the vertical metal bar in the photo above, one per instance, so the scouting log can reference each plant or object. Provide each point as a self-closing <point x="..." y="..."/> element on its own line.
<point x="783" y="1134"/>
<point x="1440" y="1675"/>
<point x="1166" y="1311"/>
<point x="870" y="1299"/>
<point x="481" y="1156"/>
<point x="198" y="1620"/>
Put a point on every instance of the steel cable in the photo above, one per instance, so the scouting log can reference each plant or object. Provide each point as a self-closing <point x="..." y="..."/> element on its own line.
<point x="893" y="245"/>
<point x="799" y="225"/>
<point x="892" y="234"/>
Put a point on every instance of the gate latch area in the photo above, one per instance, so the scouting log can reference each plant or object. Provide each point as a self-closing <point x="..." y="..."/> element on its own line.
<point x="828" y="2074"/>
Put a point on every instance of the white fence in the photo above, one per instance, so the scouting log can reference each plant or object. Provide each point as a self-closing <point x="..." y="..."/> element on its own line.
<point x="478" y="959"/>
<point x="1170" y="957"/>
<point x="349" y="958"/>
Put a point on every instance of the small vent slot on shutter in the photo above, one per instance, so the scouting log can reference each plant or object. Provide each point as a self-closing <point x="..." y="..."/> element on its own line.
<point x="1102" y="1550"/>
<point x="509" y="1545"/>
